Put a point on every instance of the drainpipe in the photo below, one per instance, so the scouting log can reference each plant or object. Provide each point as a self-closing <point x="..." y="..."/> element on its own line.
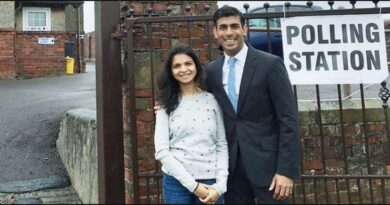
<point x="15" y="57"/>
<point x="78" y="38"/>
<point x="19" y="7"/>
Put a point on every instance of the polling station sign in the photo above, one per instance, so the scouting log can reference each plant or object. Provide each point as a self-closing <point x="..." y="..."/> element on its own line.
<point x="342" y="49"/>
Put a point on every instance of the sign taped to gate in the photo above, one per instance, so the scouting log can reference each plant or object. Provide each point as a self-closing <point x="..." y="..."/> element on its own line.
<point x="342" y="49"/>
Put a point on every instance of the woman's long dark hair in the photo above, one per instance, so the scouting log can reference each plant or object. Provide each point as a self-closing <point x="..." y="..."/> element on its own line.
<point x="169" y="87"/>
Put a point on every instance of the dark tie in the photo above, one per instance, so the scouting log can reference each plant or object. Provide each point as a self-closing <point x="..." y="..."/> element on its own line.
<point x="232" y="83"/>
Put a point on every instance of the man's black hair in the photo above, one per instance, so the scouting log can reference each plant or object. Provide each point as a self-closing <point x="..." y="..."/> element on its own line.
<point x="227" y="11"/>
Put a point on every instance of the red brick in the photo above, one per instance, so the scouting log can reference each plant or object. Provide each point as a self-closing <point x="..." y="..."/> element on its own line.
<point x="312" y="164"/>
<point x="146" y="165"/>
<point x="145" y="140"/>
<point x="160" y="7"/>
<point x="34" y="60"/>
<point x="143" y="93"/>
<point x="138" y="8"/>
<point x="146" y="152"/>
<point x="180" y="32"/>
<point x="372" y="139"/>
<point x="141" y="128"/>
<point x="144" y="128"/>
<point x="184" y="41"/>
<point x="146" y="116"/>
<point x="198" y="32"/>
<point x="156" y="42"/>
<point x="7" y="54"/>
<point x="165" y="43"/>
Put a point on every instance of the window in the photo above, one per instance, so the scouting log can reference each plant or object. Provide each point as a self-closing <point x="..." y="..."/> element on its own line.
<point x="36" y="19"/>
<point x="275" y="22"/>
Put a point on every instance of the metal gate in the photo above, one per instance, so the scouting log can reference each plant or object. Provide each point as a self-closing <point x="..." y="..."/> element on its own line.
<point x="344" y="149"/>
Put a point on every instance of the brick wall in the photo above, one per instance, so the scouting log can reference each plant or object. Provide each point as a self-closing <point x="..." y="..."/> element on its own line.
<point x="20" y="54"/>
<point x="7" y="53"/>
<point x="35" y="60"/>
<point x="140" y="8"/>
<point x="323" y="153"/>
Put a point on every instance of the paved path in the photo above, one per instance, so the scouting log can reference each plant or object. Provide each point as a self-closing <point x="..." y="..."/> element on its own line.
<point x="31" y="111"/>
<point x="65" y="195"/>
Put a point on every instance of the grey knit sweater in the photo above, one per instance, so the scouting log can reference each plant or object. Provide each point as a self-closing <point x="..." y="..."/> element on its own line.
<point x="191" y="144"/>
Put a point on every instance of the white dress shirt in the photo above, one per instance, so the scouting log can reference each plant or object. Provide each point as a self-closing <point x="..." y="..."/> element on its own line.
<point x="239" y="67"/>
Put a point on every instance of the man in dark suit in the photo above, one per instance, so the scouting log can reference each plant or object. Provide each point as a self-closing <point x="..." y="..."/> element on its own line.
<point x="260" y="115"/>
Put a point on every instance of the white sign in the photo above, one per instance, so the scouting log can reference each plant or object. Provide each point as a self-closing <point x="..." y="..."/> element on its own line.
<point x="343" y="49"/>
<point x="45" y="40"/>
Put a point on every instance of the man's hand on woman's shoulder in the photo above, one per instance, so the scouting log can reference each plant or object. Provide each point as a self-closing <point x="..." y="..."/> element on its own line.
<point x="156" y="107"/>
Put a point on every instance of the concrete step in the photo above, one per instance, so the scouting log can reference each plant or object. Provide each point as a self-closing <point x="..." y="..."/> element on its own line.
<point x="65" y="195"/>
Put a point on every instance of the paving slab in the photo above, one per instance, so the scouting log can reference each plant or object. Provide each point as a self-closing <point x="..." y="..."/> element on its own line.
<point x="65" y="195"/>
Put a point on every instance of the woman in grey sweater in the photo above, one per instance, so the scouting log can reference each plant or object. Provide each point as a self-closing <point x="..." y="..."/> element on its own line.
<point x="189" y="137"/>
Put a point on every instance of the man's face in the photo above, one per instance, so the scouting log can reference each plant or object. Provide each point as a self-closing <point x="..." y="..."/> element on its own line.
<point x="230" y="34"/>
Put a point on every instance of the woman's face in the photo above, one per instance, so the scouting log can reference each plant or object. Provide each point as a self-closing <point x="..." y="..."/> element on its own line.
<point x="183" y="69"/>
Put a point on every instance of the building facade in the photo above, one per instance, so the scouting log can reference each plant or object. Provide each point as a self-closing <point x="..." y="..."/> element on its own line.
<point x="36" y="36"/>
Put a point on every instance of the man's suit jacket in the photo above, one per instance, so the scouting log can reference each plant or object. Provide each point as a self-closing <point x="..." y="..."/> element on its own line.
<point x="266" y="126"/>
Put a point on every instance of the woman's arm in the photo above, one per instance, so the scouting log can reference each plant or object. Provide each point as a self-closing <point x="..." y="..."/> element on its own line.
<point x="171" y="165"/>
<point x="222" y="152"/>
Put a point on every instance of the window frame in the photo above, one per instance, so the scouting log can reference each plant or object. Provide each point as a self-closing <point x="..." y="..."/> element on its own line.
<point x="274" y="23"/>
<point x="46" y="10"/>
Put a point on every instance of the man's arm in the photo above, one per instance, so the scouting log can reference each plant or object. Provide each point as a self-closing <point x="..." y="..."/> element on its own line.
<point x="287" y="114"/>
<point x="283" y="187"/>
